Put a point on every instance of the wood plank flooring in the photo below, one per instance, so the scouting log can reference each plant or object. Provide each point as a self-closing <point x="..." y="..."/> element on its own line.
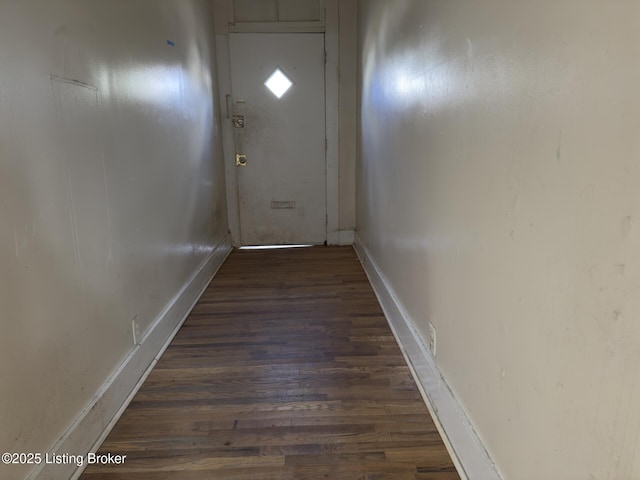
<point x="286" y="369"/>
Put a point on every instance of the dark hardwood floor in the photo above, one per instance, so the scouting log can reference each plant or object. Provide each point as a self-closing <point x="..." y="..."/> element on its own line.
<point x="286" y="369"/>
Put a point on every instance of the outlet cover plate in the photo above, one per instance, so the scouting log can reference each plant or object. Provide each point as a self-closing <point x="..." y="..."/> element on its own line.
<point x="432" y="339"/>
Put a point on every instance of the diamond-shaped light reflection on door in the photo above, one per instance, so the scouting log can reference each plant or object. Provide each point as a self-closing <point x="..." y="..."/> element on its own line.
<point x="278" y="83"/>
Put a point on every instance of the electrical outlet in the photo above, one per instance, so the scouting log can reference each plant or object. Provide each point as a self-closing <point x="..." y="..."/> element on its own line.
<point x="432" y="339"/>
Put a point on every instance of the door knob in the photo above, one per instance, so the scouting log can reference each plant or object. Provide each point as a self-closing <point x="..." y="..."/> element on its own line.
<point x="241" y="160"/>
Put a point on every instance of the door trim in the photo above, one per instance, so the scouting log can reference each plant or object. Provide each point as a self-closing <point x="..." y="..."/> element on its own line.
<point x="277" y="27"/>
<point x="331" y="48"/>
<point x="225" y="127"/>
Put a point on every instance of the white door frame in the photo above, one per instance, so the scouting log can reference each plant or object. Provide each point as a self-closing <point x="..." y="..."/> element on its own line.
<point x="223" y="63"/>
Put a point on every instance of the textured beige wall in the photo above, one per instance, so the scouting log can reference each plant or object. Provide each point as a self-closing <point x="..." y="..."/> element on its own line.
<point x="111" y="193"/>
<point x="498" y="192"/>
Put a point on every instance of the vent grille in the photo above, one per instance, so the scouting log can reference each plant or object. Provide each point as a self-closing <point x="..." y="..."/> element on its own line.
<point x="282" y="205"/>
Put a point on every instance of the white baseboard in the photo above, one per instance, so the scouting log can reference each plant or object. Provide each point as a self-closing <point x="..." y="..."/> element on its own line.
<point x="465" y="447"/>
<point x="346" y="237"/>
<point x="340" y="237"/>
<point x="92" y="425"/>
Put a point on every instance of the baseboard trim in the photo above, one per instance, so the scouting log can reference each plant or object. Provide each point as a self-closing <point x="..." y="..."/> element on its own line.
<point x="465" y="447"/>
<point x="346" y="237"/>
<point x="93" y="424"/>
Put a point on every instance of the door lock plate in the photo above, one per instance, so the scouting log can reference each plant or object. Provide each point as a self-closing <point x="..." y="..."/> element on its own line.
<point x="241" y="160"/>
<point x="238" y="121"/>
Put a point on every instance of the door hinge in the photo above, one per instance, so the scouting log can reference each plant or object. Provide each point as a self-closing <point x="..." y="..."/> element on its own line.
<point x="325" y="145"/>
<point x="325" y="57"/>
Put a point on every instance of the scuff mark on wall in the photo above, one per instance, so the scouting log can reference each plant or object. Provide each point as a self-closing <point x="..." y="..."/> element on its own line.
<point x="22" y="240"/>
<point x="559" y="149"/>
<point x="71" y="209"/>
<point x="625" y="226"/>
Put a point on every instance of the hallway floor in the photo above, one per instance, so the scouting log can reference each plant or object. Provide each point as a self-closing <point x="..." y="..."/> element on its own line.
<point x="285" y="369"/>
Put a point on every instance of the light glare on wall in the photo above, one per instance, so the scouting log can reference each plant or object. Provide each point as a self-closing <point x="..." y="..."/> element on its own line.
<point x="278" y="83"/>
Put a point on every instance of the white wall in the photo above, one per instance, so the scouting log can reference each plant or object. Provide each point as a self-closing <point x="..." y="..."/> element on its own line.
<point x="111" y="193"/>
<point x="498" y="193"/>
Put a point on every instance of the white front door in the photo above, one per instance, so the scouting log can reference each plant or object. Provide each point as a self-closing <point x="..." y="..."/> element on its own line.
<point x="280" y="137"/>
